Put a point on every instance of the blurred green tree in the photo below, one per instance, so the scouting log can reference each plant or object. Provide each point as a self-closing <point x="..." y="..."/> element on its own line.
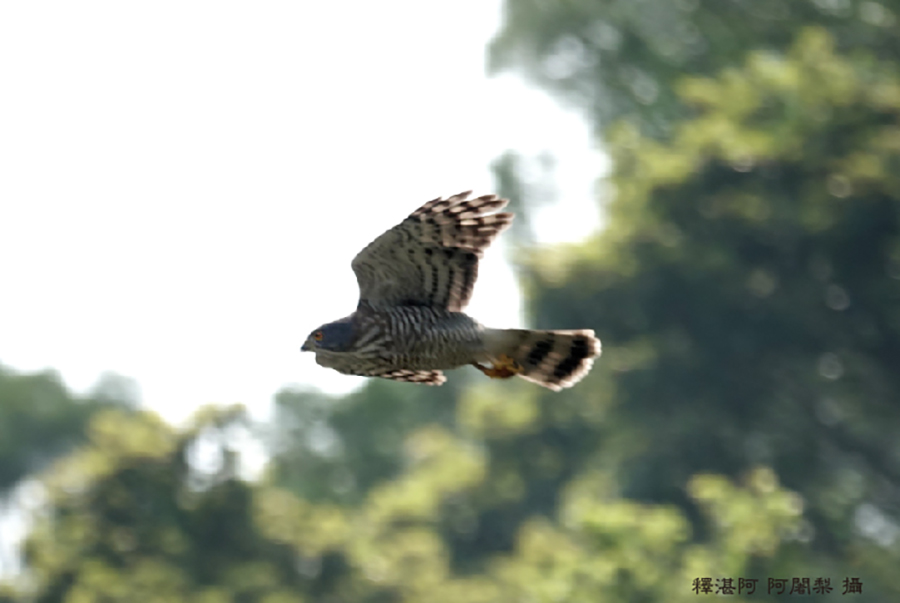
<point x="41" y="420"/>
<point x="746" y="289"/>
<point x="596" y="548"/>
<point x="330" y="448"/>
<point x="623" y="58"/>
<point x="143" y="512"/>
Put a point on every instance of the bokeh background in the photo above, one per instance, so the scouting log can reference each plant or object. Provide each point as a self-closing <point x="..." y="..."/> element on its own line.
<point x="713" y="186"/>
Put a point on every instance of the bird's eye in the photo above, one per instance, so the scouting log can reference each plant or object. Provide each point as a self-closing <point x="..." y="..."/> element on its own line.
<point x="317" y="335"/>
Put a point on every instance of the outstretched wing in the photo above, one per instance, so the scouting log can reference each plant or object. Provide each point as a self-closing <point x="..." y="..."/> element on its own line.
<point x="431" y="258"/>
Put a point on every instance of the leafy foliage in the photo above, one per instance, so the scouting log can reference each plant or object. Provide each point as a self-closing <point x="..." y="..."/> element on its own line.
<point x="129" y="518"/>
<point x="624" y="58"/>
<point x="746" y="290"/>
<point x="41" y="420"/>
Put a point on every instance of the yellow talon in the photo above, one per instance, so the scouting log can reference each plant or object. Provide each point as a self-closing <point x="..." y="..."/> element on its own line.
<point x="504" y="368"/>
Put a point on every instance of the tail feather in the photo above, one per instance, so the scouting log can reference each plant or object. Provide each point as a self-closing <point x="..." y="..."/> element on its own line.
<point x="553" y="359"/>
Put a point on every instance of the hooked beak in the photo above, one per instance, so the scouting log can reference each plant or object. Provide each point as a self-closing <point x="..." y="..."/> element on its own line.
<point x="305" y="347"/>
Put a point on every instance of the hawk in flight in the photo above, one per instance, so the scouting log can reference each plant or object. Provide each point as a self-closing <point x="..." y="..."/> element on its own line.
<point x="414" y="282"/>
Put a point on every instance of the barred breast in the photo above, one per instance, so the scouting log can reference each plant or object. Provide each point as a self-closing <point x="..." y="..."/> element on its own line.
<point x="429" y="338"/>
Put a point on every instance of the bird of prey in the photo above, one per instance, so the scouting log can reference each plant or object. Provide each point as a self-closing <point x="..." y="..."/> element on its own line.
<point x="414" y="282"/>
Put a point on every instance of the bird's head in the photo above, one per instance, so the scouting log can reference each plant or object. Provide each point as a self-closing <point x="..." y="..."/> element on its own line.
<point x="333" y="337"/>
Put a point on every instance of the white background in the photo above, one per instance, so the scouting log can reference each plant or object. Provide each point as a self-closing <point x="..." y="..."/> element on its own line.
<point x="184" y="184"/>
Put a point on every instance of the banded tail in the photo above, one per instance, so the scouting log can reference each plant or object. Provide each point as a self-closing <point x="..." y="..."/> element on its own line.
<point x="553" y="359"/>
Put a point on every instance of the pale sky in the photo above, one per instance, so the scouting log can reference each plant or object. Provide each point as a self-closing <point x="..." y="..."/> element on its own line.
<point x="184" y="184"/>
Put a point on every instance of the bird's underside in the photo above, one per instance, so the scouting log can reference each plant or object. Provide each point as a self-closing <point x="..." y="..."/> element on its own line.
<point x="414" y="281"/>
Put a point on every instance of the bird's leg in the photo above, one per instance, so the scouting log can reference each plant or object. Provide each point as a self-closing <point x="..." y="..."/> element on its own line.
<point x="504" y="368"/>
